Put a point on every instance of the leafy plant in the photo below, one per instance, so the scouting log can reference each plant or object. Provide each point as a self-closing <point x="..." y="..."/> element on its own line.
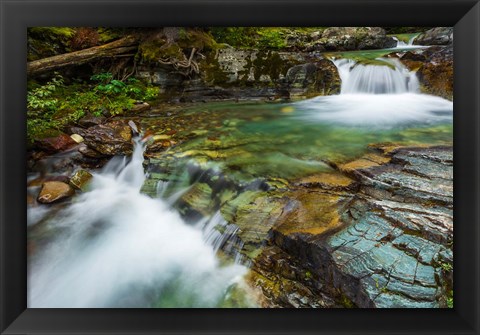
<point x="450" y="300"/>
<point x="54" y="105"/>
<point x="447" y="267"/>
<point x="41" y="98"/>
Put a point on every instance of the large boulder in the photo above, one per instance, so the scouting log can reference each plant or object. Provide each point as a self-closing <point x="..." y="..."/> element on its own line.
<point x="113" y="138"/>
<point x="320" y="78"/>
<point x="355" y="38"/>
<point x="55" y="144"/>
<point x="434" y="68"/>
<point x="53" y="191"/>
<point x="435" y="36"/>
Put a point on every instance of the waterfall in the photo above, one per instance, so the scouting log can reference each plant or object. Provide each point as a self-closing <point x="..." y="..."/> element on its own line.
<point x="115" y="247"/>
<point x="383" y="94"/>
<point x="391" y="78"/>
<point x="403" y="45"/>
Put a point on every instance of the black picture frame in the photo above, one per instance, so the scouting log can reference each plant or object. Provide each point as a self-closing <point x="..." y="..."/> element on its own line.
<point x="17" y="15"/>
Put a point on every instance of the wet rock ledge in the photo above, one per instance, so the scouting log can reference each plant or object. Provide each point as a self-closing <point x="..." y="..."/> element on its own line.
<point x="373" y="232"/>
<point x="392" y="246"/>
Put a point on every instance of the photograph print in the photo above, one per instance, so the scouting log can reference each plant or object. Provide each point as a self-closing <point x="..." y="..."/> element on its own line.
<point x="240" y="167"/>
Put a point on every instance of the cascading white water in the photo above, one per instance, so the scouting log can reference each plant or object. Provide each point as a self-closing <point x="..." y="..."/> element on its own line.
<point x="403" y="45"/>
<point x="115" y="247"/>
<point x="391" y="78"/>
<point x="378" y="96"/>
<point x="221" y="234"/>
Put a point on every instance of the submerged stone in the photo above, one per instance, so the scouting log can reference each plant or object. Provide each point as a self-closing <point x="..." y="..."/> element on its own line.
<point x="53" y="191"/>
<point x="80" y="179"/>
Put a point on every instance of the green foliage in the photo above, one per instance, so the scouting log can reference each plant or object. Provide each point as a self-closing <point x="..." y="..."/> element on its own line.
<point x="271" y="38"/>
<point x="41" y="105"/>
<point x="450" y="300"/>
<point x="447" y="267"/>
<point x="41" y="98"/>
<point x="54" y="105"/>
<point x="235" y="36"/>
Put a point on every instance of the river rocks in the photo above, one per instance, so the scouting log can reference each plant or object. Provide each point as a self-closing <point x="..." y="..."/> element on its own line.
<point x="320" y="78"/>
<point x="53" y="191"/>
<point x="284" y="282"/>
<point x="233" y="74"/>
<point x="434" y="67"/>
<point x="80" y="179"/>
<point x="374" y="232"/>
<point x="386" y="252"/>
<point x="90" y="121"/>
<point x="55" y="144"/>
<point x="436" y="73"/>
<point x="140" y="107"/>
<point x="355" y="38"/>
<point x="77" y="138"/>
<point x="435" y="36"/>
<point x="113" y="138"/>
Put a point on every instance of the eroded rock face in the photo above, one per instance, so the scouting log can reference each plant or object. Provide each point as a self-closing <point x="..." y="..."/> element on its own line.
<point x="373" y="232"/>
<point x="435" y="36"/>
<point x="395" y="237"/>
<point x="434" y="68"/>
<point x="315" y="78"/>
<point x="53" y="191"/>
<point x="113" y="138"/>
<point x="231" y="73"/>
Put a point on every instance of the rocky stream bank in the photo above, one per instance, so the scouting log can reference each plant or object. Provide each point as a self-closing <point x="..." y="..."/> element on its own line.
<point x="373" y="229"/>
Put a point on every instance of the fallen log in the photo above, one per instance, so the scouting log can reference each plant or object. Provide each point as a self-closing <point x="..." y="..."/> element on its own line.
<point x="112" y="49"/>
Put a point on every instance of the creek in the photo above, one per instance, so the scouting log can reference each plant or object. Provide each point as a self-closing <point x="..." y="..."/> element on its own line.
<point x="114" y="246"/>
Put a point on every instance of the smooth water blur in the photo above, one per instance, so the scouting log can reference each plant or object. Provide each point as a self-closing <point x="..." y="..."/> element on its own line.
<point x="298" y="139"/>
<point x="379" y="102"/>
<point x="388" y="76"/>
<point x="114" y="247"/>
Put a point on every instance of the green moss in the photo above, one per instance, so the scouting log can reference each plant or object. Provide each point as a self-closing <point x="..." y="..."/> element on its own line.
<point x="240" y="37"/>
<point x="376" y="62"/>
<point x="109" y="34"/>
<point x="196" y="38"/>
<point x="214" y="75"/>
<point x="271" y="38"/>
<point x="268" y="63"/>
<point x="263" y="38"/>
<point x="48" y="41"/>
<point x="63" y="33"/>
<point x="404" y="37"/>
<point x="346" y="302"/>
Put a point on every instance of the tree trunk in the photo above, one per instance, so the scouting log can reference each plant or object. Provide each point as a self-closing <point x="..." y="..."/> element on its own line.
<point x="116" y="48"/>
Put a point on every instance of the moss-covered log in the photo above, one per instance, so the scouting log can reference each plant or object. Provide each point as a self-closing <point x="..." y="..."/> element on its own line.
<point x="117" y="48"/>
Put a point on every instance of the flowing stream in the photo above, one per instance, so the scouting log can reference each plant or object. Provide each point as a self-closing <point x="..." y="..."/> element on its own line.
<point x="383" y="95"/>
<point x="116" y="247"/>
